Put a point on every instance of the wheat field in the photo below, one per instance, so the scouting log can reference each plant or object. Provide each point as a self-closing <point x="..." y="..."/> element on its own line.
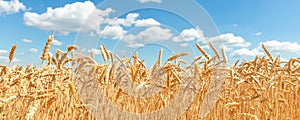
<point x="264" y="88"/>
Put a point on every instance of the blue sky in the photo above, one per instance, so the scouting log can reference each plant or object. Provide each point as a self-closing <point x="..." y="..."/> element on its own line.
<point x="149" y="25"/>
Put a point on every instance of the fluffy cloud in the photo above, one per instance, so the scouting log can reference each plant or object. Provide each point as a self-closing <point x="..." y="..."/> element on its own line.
<point x="155" y="34"/>
<point x="274" y="46"/>
<point x="114" y="32"/>
<point x="68" y="18"/>
<point x="282" y="47"/>
<point x="33" y="50"/>
<point x="146" y="22"/>
<point x="245" y="52"/>
<point x="151" y="34"/>
<point x="131" y="19"/>
<point x="3" y="52"/>
<point x="95" y="51"/>
<point x="56" y="42"/>
<point x="21" y="53"/>
<point x="144" y="1"/>
<point x="130" y="38"/>
<point x="5" y="60"/>
<point x="10" y="7"/>
<point x="128" y="21"/>
<point x="184" y="44"/>
<point x="189" y="35"/>
<point x="27" y="40"/>
<point x="228" y="41"/>
<point x="135" y="45"/>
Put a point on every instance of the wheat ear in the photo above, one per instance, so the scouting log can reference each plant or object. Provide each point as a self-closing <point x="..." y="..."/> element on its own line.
<point x="202" y="51"/>
<point x="12" y="52"/>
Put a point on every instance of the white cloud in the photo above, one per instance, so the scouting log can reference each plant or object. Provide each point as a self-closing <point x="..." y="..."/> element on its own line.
<point x="184" y="44"/>
<point x="5" y="60"/>
<point x="69" y="18"/>
<point x="135" y="45"/>
<point x="95" y="51"/>
<point x="114" y="32"/>
<point x="282" y="47"/>
<point x="151" y="34"/>
<point x="155" y="33"/>
<point x="128" y="21"/>
<point x="274" y="46"/>
<point x="146" y="22"/>
<point x="228" y="41"/>
<point x="3" y="52"/>
<point x="258" y="34"/>
<point x="245" y="52"/>
<point x="56" y="42"/>
<point x="33" y="50"/>
<point x="27" y="40"/>
<point x="130" y="38"/>
<point x="10" y="7"/>
<point x="21" y="53"/>
<point x="144" y="1"/>
<point x="189" y="35"/>
<point x="131" y="19"/>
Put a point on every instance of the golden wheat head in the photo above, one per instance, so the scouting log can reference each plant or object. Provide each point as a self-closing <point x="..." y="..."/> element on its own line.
<point x="12" y="52"/>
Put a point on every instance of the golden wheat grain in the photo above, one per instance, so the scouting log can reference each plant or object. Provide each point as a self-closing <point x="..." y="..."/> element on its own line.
<point x="177" y="56"/>
<point x="250" y="115"/>
<point x="92" y="55"/>
<point x="111" y="57"/>
<point x="7" y="100"/>
<point x="12" y="52"/>
<point x="224" y="55"/>
<point x="182" y="61"/>
<point x="103" y="53"/>
<point x="202" y="51"/>
<point x="196" y="59"/>
<point x="46" y="48"/>
<point x="232" y="104"/>
<point x="198" y="70"/>
<point x="214" y="50"/>
<point x="33" y="108"/>
<point x="159" y="56"/>
<point x="267" y="52"/>
<point x="111" y="72"/>
<point x="106" y="52"/>
<point x="72" y="47"/>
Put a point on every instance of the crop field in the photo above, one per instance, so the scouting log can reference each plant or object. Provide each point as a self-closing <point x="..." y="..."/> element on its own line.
<point x="65" y="87"/>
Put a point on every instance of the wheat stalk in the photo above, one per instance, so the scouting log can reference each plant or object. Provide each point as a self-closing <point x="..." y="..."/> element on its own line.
<point x="159" y="56"/>
<point x="214" y="50"/>
<point x="177" y="56"/>
<point x="46" y="48"/>
<point x="12" y="52"/>
<point x="103" y="53"/>
<point x="267" y="52"/>
<point x="224" y="55"/>
<point x="106" y="52"/>
<point x="202" y="51"/>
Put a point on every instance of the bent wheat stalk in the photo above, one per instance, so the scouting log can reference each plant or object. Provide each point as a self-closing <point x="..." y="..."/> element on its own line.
<point x="202" y="51"/>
